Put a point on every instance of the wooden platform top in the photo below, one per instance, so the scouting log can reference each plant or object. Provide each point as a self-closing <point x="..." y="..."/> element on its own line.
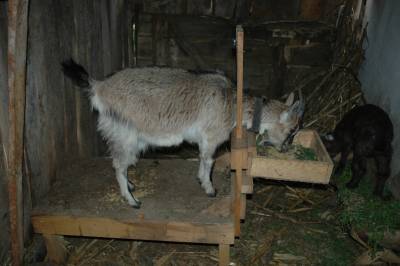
<point x="85" y="201"/>
<point x="168" y="190"/>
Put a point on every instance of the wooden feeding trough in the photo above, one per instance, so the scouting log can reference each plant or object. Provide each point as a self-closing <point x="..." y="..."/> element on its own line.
<point x="318" y="171"/>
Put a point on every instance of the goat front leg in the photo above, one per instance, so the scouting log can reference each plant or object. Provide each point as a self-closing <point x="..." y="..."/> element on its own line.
<point x="383" y="167"/>
<point x="206" y="163"/>
<point x="358" y="168"/>
<point x="343" y="161"/>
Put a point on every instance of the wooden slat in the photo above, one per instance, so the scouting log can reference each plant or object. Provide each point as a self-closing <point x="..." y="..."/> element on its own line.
<point x="311" y="9"/>
<point x="17" y="46"/>
<point x="239" y="158"/>
<point x="247" y="184"/>
<point x="56" y="250"/>
<point x="242" y="206"/>
<point x="320" y="149"/>
<point x="291" y="170"/>
<point x="239" y="80"/>
<point x="137" y="229"/>
<point x="237" y="200"/>
<point x="304" y="137"/>
<point x="224" y="256"/>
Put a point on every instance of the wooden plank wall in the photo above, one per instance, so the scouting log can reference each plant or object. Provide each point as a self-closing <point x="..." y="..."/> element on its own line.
<point x="4" y="222"/>
<point x="193" y="34"/>
<point x="59" y="123"/>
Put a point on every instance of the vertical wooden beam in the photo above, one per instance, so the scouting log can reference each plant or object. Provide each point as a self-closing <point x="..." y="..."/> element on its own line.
<point x="224" y="255"/>
<point x="237" y="136"/>
<point x="239" y="78"/>
<point x="238" y="200"/>
<point x="17" y="45"/>
<point x="154" y="23"/>
<point x="311" y="9"/>
<point x="56" y="250"/>
<point x="279" y="72"/>
<point x="242" y="206"/>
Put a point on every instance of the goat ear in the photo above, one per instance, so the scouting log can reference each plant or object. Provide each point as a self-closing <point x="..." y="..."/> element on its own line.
<point x="290" y="99"/>
<point x="264" y="99"/>
<point x="297" y="109"/>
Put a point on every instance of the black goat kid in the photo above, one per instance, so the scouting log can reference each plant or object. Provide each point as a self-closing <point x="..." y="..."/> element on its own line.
<point x="367" y="132"/>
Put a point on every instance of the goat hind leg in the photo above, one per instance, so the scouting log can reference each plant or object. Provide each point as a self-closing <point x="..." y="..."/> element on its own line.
<point x="121" y="164"/>
<point x="131" y="186"/>
<point x="206" y="163"/>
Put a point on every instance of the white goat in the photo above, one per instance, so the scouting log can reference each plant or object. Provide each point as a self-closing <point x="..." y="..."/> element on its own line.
<point x="154" y="106"/>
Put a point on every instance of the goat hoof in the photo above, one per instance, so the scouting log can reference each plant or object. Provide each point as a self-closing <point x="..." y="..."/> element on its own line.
<point x="212" y="194"/>
<point x="338" y="171"/>
<point x="137" y="205"/>
<point x="386" y="197"/>
<point x="351" y="185"/>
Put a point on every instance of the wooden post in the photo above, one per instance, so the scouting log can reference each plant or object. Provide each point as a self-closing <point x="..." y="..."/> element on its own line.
<point x="239" y="78"/>
<point x="56" y="250"/>
<point x="238" y="200"/>
<point x="311" y="9"/>
<point x="237" y="136"/>
<point x="224" y="256"/>
<point x="17" y="45"/>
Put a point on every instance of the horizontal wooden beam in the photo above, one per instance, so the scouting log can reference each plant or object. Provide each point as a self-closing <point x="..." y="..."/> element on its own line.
<point x="138" y="229"/>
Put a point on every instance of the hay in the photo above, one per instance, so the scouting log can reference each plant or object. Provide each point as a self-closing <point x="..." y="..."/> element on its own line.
<point x="294" y="152"/>
<point x="332" y="92"/>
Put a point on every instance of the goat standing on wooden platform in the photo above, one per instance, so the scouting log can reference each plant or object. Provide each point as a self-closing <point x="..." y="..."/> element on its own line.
<point x="152" y="106"/>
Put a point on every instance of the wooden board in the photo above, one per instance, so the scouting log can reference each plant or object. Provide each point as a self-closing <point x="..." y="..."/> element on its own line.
<point x="139" y="229"/>
<point x="16" y="57"/>
<point x="85" y="201"/>
<point x="296" y="170"/>
<point x="247" y="183"/>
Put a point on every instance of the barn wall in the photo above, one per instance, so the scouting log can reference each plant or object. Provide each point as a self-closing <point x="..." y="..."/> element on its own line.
<point x="4" y="223"/>
<point x="380" y="73"/>
<point x="60" y="126"/>
<point x="284" y="40"/>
